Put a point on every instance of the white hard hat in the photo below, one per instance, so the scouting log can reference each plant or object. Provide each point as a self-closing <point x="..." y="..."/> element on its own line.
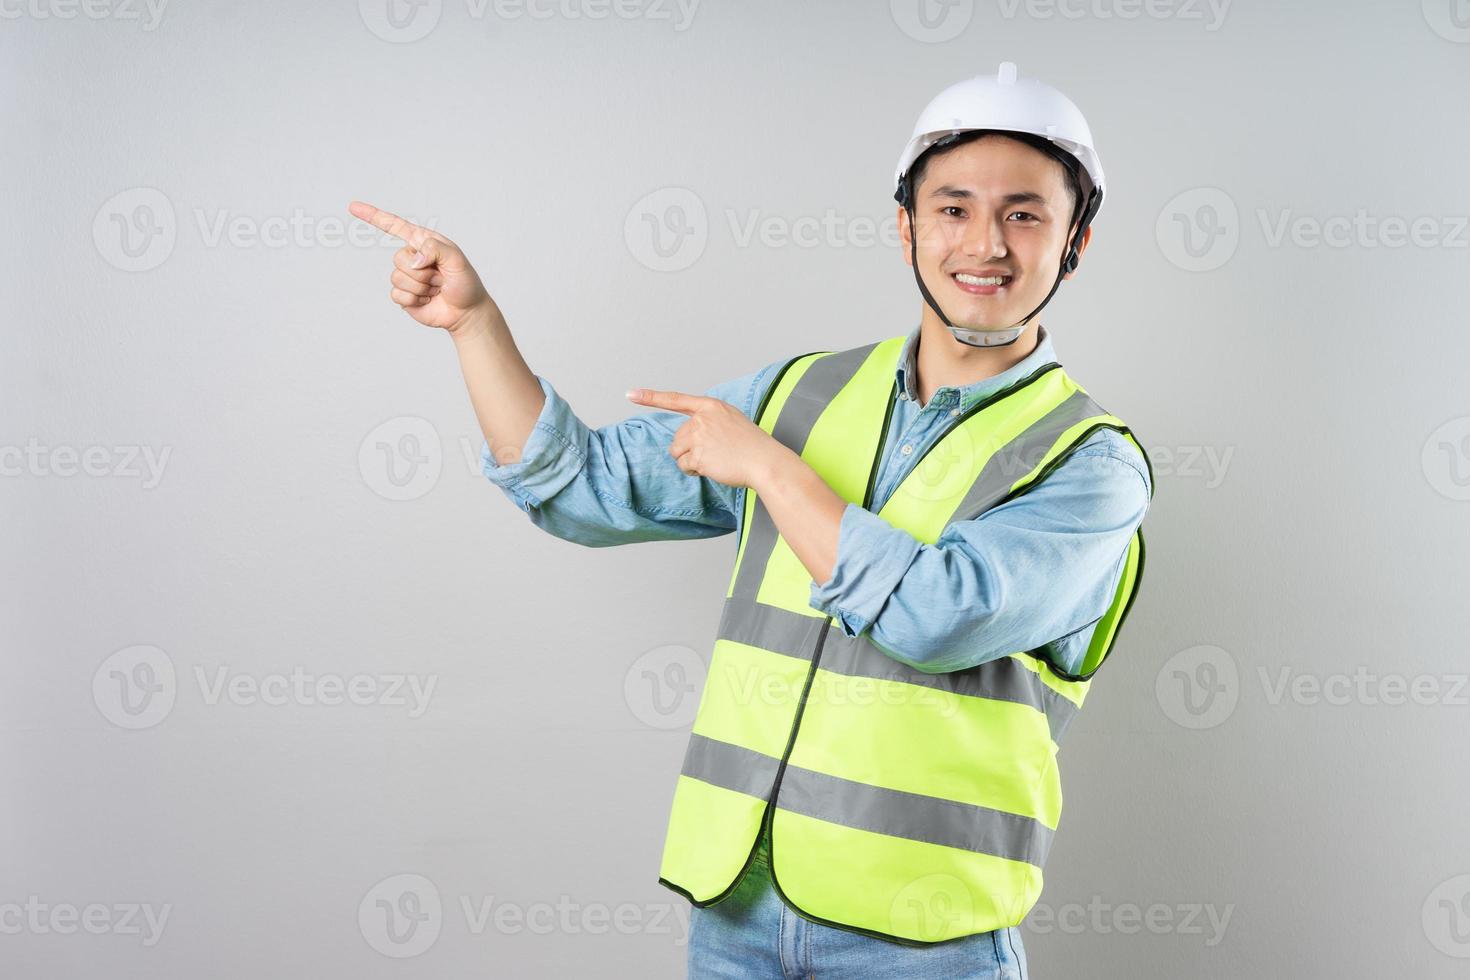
<point x="1011" y="104"/>
<point x="1048" y="120"/>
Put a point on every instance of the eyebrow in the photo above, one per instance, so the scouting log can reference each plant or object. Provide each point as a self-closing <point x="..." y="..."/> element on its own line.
<point x="964" y="193"/>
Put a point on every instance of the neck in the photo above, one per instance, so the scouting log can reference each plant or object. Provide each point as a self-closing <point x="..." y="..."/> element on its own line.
<point x="943" y="361"/>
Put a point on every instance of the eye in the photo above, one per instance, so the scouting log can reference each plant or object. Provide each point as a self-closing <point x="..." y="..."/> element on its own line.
<point x="1028" y="214"/>
<point x="953" y="207"/>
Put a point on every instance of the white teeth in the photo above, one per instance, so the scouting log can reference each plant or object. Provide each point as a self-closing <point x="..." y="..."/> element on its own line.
<point x="978" y="281"/>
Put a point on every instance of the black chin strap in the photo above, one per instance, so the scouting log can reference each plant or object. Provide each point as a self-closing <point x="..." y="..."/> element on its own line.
<point x="1070" y="258"/>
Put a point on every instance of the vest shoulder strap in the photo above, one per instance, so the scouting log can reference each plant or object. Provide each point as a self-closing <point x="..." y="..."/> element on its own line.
<point x="765" y="401"/>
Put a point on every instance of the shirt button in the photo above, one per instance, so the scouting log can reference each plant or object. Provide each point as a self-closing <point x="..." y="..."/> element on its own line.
<point x="908" y="448"/>
<point x="953" y="412"/>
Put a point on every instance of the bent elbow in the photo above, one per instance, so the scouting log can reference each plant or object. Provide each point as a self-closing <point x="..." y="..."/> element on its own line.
<point x="928" y="654"/>
<point x="956" y="646"/>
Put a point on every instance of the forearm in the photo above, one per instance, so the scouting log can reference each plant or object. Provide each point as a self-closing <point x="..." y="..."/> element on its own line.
<point x="505" y="394"/>
<point x="618" y="484"/>
<point x="806" y="511"/>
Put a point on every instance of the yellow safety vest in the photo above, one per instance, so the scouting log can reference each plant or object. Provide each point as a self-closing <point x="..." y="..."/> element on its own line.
<point x="912" y="806"/>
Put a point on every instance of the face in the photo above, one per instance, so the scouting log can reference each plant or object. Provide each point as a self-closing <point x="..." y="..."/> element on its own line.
<point x="991" y="206"/>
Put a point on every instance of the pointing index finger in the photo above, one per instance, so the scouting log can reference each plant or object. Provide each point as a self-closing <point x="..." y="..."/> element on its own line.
<point x="676" y="401"/>
<point x="389" y="222"/>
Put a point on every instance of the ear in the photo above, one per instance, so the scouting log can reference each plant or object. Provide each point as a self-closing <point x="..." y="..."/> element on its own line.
<point x="1081" y="250"/>
<point x="906" y="235"/>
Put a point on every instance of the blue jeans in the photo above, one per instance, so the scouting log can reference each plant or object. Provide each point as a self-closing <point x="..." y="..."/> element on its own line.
<point x="752" y="934"/>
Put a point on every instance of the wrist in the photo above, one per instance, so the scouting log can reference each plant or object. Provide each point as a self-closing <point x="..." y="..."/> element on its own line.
<point x="770" y="468"/>
<point x="477" y="323"/>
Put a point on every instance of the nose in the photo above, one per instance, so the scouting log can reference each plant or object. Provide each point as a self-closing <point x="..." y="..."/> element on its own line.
<point x="984" y="237"/>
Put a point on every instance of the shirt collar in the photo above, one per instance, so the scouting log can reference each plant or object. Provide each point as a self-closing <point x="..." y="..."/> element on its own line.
<point x="967" y="395"/>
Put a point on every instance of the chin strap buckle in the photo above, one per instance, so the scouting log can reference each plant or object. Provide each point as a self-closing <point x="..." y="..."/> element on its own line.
<point x="987" y="338"/>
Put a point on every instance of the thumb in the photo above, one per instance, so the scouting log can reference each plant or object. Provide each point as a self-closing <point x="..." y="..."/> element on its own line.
<point x="444" y="254"/>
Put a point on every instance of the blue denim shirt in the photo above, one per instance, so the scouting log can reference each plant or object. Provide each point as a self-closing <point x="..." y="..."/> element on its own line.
<point x="1037" y="571"/>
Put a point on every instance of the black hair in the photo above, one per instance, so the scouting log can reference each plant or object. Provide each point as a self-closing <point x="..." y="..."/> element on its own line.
<point x="943" y="145"/>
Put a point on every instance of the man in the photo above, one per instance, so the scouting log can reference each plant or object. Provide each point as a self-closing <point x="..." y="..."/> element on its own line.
<point x="939" y="538"/>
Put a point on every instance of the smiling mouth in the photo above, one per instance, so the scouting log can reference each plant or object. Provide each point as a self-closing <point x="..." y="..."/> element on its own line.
<point x="981" y="285"/>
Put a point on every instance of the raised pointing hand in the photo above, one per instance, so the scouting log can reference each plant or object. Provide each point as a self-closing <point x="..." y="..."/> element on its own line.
<point x="432" y="280"/>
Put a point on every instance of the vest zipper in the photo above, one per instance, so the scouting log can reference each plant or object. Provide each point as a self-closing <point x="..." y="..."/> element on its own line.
<point x="811" y="673"/>
<point x="796" y="724"/>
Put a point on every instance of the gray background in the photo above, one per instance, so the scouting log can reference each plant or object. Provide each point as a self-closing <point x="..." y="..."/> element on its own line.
<point x="1321" y="827"/>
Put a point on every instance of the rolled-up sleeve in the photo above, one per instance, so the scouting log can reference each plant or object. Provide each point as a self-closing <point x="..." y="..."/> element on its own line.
<point x="618" y="484"/>
<point x="551" y="458"/>
<point x="873" y="556"/>
<point x="1028" y="572"/>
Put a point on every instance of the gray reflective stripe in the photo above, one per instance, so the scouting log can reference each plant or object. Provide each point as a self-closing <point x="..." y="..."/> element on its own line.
<point x="770" y="628"/>
<point x="848" y="803"/>
<point x="1001" y="679"/>
<point x="1060" y="710"/>
<point x="813" y="390"/>
<point x="808" y="398"/>
<point x="786" y="632"/>
<point x="914" y="816"/>
<point x="1023" y="454"/>
<point x="732" y="766"/>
